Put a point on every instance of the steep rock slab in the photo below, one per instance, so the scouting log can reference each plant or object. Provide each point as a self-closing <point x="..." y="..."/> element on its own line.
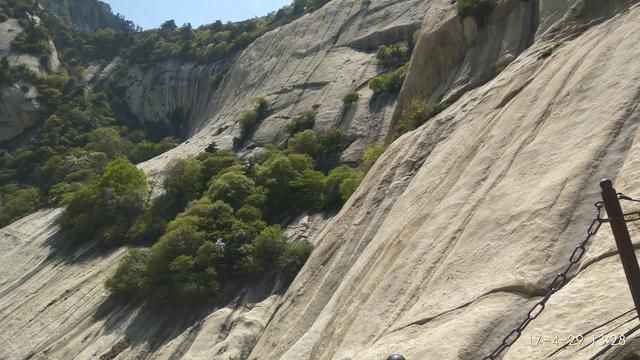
<point x="53" y="305"/>
<point x="19" y="107"/>
<point x="311" y="62"/>
<point x="462" y="223"/>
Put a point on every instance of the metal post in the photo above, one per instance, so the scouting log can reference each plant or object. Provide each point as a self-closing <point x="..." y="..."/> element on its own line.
<point x="623" y="240"/>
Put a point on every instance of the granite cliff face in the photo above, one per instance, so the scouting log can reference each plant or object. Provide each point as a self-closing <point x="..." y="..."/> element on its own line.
<point x="452" y="236"/>
<point x="84" y="15"/>
<point x="19" y="107"/>
<point x="310" y="63"/>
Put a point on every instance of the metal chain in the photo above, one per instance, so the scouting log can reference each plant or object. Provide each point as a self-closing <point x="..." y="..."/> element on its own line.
<point x="556" y="284"/>
<point x="622" y="196"/>
<point x="630" y="216"/>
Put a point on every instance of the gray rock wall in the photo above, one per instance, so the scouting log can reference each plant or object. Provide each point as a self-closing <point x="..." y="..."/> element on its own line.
<point x="311" y="62"/>
<point x="460" y="226"/>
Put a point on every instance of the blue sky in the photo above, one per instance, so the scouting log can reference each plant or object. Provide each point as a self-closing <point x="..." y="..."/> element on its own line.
<point x="151" y="13"/>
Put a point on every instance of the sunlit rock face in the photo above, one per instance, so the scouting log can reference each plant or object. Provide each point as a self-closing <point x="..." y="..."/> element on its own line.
<point x="84" y="15"/>
<point x="455" y="231"/>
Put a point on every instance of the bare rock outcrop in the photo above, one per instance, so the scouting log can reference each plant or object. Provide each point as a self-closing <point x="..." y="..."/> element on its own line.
<point x="310" y="63"/>
<point x="19" y="106"/>
<point x="452" y="236"/>
<point x="458" y="228"/>
<point x="53" y="305"/>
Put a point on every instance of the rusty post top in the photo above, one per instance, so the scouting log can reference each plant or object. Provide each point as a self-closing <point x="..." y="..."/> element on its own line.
<point x="606" y="184"/>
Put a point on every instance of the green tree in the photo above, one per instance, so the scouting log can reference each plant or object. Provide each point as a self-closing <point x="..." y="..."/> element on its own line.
<point x="217" y="162"/>
<point x="308" y="186"/>
<point x="233" y="188"/>
<point x="268" y="247"/>
<point x="389" y="82"/>
<point x="108" y="141"/>
<point x="131" y="274"/>
<point x="303" y="142"/>
<point x="339" y="185"/>
<point x="303" y="121"/>
<point x="371" y="155"/>
<point x="183" y="182"/>
<point x="23" y="202"/>
<point x="393" y="55"/>
<point x="417" y="113"/>
<point x="293" y="258"/>
<point x="107" y="209"/>
<point x="350" y="97"/>
<point x="124" y="178"/>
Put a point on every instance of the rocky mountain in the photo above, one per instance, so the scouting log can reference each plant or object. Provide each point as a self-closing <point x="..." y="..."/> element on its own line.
<point x="451" y="238"/>
<point x="83" y="15"/>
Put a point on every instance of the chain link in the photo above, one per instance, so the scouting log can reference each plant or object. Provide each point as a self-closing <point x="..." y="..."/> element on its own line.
<point x="561" y="278"/>
<point x="622" y="196"/>
<point x="631" y="216"/>
<point x="556" y="284"/>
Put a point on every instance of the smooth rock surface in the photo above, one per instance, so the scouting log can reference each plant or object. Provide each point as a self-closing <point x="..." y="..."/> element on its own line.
<point x="453" y="235"/>
<point x="458" y="228"/>
<point x="311" y="62"/>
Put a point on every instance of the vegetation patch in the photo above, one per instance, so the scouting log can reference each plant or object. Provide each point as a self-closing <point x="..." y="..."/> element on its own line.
<point x="303" y="121"/>
<point x="389" y="82"/>
<point x="78" y="138"/>
<point x="549" y="51"/>
<point x="34" y="40"/>
<point x="372" y="153"/>
<point x="350" y="97"/>
<point x="417" y="113"/>
<point x="395" y="54"/>
<point x="250" y="119"/>
<point x="228" y="213"/>
<point x="480" y="9"/>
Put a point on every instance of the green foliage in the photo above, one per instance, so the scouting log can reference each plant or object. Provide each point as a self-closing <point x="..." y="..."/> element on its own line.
<point x="104" y="43"/>
<point x="372" y="153"/>
<point x="107" y="140"/>
<point x="320" y="146"/>
<point x="3" y="17"/>
<point x="34" y="40"/>
<point x="389" y="82"/>
<point x="123" y="177"/>
<point x="394" y="55"/>
<point x="303" y="143"/>
<point x="340" y="183"/>
<point x="417" y="113"/>
<point x="267" y="248"/>
<point x="330" y="142"/>
<point x="213" y="42"/>
<point x="215" y="163"/>
<point x="308" y="188"/>
<point x="183" y="182"/>
<point x="350" y="97"/>
<point x="22" y="202"/>
<point x="303" y="121"/>
<point x="294" y="257"/>
<point x="479" y="9"/>
<point x="250" y="119"/>
<point x="277" y="175"/>
<point x="130" y="277"/>
<point x="146" y="149"/>
<point x="235" y="189"/>
<point x="106" y="209"/>
<point x="549" y="51"/>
